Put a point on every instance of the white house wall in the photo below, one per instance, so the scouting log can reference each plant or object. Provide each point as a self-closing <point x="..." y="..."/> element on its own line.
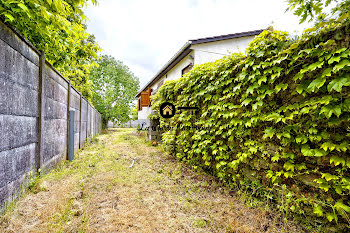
<point x="202" y="53"/>
<point x="213" y="51"/>
<point x="176" y="72"/>
<point x="143" y="114"/>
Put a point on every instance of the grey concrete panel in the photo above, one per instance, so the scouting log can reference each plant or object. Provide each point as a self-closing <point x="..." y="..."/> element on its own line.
<point x="83" y="133"/>
<point x="53" y="162"/>
<point x="55" y="110"/>
<point x="56" y="76"/>
<point x="17" y="131"/>
<point x="15" y="67"/>
<point x="17" y="99"/>
<point x="56" y="87"/>
<point x="12" y="190"/>
<point x="89" y="121"/>
<point x="55" y="138"/>
<point x="16" y="162"/>
<point x="84" y="110"/>
<point x="75" y="100"/>
<point x="17" y="43"/>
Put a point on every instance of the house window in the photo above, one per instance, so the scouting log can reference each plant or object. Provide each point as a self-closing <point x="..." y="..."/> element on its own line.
<point x="139" y="105"/>
<point x="186" y="69"/>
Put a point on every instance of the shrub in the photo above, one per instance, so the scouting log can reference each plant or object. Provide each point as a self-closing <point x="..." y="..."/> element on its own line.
<point x="274" y="121"/>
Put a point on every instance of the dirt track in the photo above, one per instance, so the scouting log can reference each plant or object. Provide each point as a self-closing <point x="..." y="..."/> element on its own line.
<point x="99" y="192"/>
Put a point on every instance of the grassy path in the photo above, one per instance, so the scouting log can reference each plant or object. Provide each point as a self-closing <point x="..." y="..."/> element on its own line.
<point x="99" y="192"/>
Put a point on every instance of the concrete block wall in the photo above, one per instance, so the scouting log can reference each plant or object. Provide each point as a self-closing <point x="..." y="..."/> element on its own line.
<point x="34" y="120"/>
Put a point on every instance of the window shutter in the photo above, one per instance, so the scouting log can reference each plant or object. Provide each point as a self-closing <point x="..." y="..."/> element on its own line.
<point x="145" y="99"/>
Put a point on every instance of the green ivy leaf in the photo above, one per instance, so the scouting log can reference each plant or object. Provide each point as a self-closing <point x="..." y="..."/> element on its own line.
<point x="276" y="157"/>
<point x="269" y="132"/>
<point x="316" y="84"/>
<point x="338" y="189"/>
<point x="341" y="206"/>
<point x="327" y="72"/>
<point x="328" y="146"/>
<point x="334" y="59"/>
<point x="306" y="151"/>
<point x="289" y="166"/>
<point x="288" y="174"/>
<point x="320" y="153"/>
<point x="21" y="5"/>
<point x="341" y="65"/>
<point x="301" y="139"/>
<point x="329" y="177"/>
<point x="246" y="102"/>
<point x="281" y="86"/>
<point x="337" y="160"/>
<point x="300" y="167"/>
<point x="331" y="217"/>
<point x="338" y="83"/>
<point x="318" y="210"/>
<point x="286" y="135"/>
<point x="302" y="86"/>
<point x="342" y="147"/>
<point x="274" y="117"/>
<point x="315" y="66"/>
<point x="262" y="79"/>
<point x="329" y="110"/>
<point x="298" y="76"/>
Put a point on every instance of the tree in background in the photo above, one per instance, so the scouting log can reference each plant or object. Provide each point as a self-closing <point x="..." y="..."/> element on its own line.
<point x="57" y="27"/>
<point x="314" y="9"/>
<point x="114" y="88"/>
<point x="134" y="113"/>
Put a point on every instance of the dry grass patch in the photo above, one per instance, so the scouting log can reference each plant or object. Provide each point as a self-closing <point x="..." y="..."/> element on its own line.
<point x="99" y="192"/>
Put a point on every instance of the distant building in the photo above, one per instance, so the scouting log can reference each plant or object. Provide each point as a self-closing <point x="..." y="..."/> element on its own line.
<point x="196" y="51"/>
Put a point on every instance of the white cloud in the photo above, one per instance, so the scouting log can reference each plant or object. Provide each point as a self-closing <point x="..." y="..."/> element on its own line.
<point x="146" y="34"/>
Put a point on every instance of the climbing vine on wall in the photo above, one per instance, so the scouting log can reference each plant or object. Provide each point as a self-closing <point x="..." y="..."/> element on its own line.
<point x="274" y="120"/>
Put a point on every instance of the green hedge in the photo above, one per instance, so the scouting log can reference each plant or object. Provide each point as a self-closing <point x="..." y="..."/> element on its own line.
<point x="273" y="121"/>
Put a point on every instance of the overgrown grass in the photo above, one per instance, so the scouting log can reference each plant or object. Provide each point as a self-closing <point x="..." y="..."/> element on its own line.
<point x="99" y="192"/>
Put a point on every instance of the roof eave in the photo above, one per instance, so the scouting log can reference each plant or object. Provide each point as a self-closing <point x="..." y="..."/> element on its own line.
<point x="165" y="67"/>
<point x="226" y="37"/>
<point x="188" y="45"/>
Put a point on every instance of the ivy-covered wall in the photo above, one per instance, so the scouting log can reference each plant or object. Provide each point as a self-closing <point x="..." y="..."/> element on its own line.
<point x="273" y="121"/>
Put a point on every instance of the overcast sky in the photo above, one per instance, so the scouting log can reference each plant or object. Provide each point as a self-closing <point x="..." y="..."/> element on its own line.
<point x="145" y="34"/>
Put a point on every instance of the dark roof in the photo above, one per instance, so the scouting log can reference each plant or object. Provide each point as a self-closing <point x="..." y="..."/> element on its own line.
<point x="226" y="37"/>
<point x="186" y="49"/>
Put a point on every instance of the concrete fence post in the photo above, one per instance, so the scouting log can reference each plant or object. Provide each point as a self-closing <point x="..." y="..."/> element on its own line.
<point x="68" y="115"/>
<point x="81" y="100"/>
<point x="71" y="136"/>
<point x="41" y="108"/>
<point x="87" y="122"/>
